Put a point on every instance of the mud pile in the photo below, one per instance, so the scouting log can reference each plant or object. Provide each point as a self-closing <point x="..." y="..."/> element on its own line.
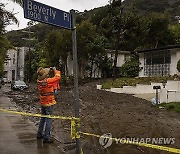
<point x="101" y="112"/>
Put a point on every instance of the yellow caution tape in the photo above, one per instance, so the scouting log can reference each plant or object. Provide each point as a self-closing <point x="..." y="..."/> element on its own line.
<point x="73" y="129"/>
<point x="39" y="115"/>
<point x="74" y="125"/>
<point x="82" y="151"/>
<point x="75" y="134"/>
<point x="163" y="148"/>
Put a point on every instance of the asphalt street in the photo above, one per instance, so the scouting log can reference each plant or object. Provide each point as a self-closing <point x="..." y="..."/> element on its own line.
<point x="18" y="134"/>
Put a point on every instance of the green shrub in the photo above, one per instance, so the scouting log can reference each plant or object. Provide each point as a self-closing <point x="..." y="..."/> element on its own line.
<point x="173" y="106"/>
<point x="130" y="68"/>
<point x="170" y="107"/>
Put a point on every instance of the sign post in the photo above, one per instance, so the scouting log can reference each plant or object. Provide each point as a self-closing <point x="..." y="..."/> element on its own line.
<point x="75" y="74"/>
<point x="43" y="13"/>
<point x="156" y="88"/>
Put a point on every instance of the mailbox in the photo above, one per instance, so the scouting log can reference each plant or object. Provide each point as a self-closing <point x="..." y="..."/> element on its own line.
<point x="156" y="87"/>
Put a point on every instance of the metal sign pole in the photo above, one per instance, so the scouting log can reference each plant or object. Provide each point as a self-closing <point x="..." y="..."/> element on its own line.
<point x="75" y="74"/>
<point x="156" y="96"/>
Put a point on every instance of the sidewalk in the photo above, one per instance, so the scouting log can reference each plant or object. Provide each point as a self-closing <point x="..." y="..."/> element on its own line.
<point x="18" y="134"/>
<point x="147" y="97"/>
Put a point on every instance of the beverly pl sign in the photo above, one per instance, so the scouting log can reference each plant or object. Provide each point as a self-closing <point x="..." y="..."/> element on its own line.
<point x="43" y="13"/>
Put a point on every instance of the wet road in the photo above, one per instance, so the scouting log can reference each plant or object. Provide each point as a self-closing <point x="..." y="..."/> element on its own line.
<point x="18" y="134"/>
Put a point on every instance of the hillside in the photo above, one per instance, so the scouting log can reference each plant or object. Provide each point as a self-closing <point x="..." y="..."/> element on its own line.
<point x="144" y="7"/>
<point x="141" y="7"/>
<point x="39" y="32"/>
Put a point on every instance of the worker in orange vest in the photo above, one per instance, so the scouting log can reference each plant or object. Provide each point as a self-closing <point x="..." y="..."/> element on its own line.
<point x="47" y="101"/>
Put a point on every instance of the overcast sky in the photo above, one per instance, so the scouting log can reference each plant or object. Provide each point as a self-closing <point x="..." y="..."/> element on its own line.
<point x="64" y="5"/>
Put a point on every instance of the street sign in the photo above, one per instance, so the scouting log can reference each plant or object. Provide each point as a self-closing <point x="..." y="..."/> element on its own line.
<point x="43" y="13"/>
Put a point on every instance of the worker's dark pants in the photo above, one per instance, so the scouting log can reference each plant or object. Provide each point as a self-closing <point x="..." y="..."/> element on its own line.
<point x="47" y="122"/>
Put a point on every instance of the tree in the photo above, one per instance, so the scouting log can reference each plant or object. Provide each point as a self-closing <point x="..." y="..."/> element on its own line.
<point x="86" y="33"/>
<point x="113" y="28"/>
<point x="6" y="18"/>
<point x="123" y="30"/>
<point x="175" y="29"/>
<point x="157" y="32"/>
<point x="106" y="66"/>
<point x="96" y="53"/>
<point x="58" y="45"/>
<point x="53" y="47"/>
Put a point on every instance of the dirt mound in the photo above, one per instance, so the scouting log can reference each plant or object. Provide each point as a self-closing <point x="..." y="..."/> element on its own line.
<point x="122" y="115"/>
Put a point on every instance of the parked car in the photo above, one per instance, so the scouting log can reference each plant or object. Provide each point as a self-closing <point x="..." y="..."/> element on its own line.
<point x="6" y="80"/>
<point x="18" y="85"/>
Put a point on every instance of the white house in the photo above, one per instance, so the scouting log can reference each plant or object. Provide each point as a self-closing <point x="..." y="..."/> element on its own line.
<point x="159" y="61"/>
<point x="14" y="65"/>
<point x="123" y="56"/>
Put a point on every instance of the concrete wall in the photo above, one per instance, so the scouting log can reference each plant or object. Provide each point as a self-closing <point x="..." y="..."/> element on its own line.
<point x="167" y="96"/>
<point x="171" y="92"/>
<point x="120" y="60"/>
<point x="138" y="89"/>
<point x="173" y="64"/>
<point x="173" y="85"/>
<point x="143" y="89"/>
<point x="116" y="90"/>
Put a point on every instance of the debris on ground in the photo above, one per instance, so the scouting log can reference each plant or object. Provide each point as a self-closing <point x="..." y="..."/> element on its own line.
<point x="101" y="112"/>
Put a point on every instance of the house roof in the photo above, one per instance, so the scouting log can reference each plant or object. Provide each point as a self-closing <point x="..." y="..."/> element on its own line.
<point x="158" y="49"/>
<point x="120" y="52"/>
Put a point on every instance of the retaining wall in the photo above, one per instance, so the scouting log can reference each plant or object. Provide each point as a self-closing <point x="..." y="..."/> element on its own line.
<point x="169" y="93"/>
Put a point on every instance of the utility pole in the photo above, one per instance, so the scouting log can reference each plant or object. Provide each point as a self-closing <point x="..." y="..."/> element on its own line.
<point x="29" y="49"/>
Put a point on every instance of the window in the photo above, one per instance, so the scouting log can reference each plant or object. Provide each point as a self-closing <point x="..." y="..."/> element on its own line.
<point x="157" y="63"/>
<point x="13" y="58"/>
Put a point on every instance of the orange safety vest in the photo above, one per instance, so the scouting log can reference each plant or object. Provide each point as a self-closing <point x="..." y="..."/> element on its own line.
<point x="56" y="85"/>
<point x="46" y="89"/>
